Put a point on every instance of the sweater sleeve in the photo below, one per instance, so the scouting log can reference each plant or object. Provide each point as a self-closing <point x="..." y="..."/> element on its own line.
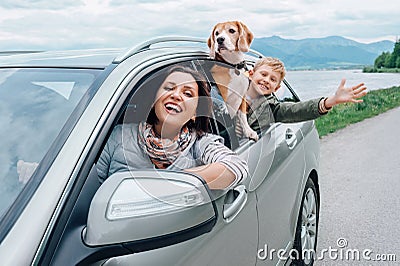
<point x="104" y="162"/>
<point x="213" y="150"/>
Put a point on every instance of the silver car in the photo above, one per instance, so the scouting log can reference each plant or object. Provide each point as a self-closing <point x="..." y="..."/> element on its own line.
<point x="57" y="110"/>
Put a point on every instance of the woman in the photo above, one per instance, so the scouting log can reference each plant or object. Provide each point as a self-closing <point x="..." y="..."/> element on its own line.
<point x="174" y="136"/>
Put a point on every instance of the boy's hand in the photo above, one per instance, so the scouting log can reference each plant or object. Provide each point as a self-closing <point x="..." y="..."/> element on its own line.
<point x="346" y="94"/>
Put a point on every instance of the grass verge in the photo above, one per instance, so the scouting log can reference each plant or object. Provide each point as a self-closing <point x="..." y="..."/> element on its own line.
<point x="375" y="102"/>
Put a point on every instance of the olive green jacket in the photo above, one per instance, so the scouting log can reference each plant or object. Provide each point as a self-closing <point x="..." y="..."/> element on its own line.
<point x="267" y="109"/>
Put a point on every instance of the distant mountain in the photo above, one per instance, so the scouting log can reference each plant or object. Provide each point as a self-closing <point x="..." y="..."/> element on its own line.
<point x="320" y="53"/>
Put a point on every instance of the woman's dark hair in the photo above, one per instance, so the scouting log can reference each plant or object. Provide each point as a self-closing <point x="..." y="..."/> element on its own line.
<point x="203" y="111"/>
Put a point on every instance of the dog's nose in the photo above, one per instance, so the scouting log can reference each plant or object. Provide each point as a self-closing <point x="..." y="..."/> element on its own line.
<point x="220" y="40"/>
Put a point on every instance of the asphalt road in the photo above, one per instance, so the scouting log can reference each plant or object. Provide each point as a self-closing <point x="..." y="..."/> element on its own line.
<point x="360" y="193"/>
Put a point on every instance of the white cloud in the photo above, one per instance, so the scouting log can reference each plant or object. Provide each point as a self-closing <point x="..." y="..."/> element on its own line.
<point x="38" y="4"/>
<point x="121" y="23"/>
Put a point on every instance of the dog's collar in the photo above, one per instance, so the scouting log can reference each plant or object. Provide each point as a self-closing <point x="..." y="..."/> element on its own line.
<point x="241" y="65"/>
<point x="237" y="66"/>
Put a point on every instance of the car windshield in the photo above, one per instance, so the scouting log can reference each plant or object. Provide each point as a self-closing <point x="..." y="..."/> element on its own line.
<point x="35" y="103"/>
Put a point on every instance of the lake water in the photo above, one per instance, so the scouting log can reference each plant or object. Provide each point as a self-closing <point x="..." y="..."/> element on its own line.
<point x="312" y="84"/>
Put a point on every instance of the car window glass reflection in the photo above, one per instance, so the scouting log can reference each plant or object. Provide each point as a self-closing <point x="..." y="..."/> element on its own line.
<point x="34" y="105"/>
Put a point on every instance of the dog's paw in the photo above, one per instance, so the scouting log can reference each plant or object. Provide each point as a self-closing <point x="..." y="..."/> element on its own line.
<point x="251" y="134"/>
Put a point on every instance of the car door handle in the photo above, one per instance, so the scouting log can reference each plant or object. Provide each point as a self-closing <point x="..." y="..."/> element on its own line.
<point x="290" y="137"/>
<point x="237" y="198"/>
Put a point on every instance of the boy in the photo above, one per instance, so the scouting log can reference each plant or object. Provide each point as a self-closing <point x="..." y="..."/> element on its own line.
<point x="265" y="79"/>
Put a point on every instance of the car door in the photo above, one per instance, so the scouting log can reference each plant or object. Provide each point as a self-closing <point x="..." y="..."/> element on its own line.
<point x="232" y="240"/>
<point x="276" y="169"/>
<point x="277" y="180"/>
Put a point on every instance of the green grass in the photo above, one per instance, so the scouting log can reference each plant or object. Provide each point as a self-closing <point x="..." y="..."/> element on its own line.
<point x="375" y="102"/>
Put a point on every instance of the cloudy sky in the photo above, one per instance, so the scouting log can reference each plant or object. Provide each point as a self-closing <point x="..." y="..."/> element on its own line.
<point x="74" y="24"/>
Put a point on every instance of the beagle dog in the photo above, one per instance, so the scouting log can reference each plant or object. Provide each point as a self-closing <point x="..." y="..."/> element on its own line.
<point x="228" y="42"/>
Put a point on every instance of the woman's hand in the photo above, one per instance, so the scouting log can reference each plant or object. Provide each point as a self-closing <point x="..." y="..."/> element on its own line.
<point x="346" y="94"/>
<point x="216" y="175"/>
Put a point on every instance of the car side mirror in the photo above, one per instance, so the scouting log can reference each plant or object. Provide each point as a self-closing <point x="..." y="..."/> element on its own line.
<point x="144" y="210"/>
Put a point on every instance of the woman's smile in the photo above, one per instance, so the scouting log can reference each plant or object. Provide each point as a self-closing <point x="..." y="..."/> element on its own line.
<point x="173" y="108"/>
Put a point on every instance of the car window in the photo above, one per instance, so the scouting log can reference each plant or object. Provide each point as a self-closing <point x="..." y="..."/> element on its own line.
<point x="35" y="103"/>
<point x="285" y="93"/>
<point x="141" y="102"/>
<point x="137" y="108"/>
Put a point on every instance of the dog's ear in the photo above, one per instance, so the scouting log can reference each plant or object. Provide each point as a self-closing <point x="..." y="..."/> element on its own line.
<point x="245" y="37"/>
<point x="210" y="43"/>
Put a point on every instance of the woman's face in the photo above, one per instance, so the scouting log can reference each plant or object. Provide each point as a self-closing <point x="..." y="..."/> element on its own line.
<point x="176" y="101"/>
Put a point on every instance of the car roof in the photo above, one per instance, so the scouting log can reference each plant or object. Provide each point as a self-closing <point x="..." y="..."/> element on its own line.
<point x="97" y="58"/>
<point x="101" y="58"/>
<point x="91" y="58"/>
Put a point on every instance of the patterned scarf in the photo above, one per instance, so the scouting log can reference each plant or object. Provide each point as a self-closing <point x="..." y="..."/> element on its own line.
<point x="163" y="152"/>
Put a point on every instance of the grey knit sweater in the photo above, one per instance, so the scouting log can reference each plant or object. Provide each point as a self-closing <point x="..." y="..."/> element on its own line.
<point x="122" y="153"/>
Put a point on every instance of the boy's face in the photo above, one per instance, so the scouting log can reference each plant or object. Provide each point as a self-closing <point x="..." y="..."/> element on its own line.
<point x="264" y="80"/>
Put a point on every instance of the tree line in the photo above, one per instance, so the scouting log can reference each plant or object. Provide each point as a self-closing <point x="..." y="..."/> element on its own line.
<point x="387" y="61"/>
